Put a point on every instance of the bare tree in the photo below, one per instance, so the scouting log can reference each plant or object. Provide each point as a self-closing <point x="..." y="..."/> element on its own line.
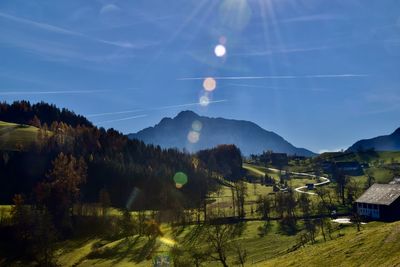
<point x="241" y="254"/>
<point x="219" y="239"/>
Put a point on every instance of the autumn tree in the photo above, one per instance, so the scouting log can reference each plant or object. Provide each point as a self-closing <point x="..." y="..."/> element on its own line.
<point x="21" y="219"/>
<point x="62" y="188"/>
<point x="35" y="122"/>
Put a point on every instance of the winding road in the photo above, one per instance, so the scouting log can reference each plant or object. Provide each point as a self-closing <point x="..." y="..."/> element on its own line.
<point x="298" y="189"/>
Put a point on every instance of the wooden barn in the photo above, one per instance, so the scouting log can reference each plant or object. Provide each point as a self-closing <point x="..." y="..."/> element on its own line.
<point x="380" y="202"/>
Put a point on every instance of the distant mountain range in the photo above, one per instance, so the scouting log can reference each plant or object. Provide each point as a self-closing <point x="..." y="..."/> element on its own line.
<point x="192" y="132"/>
<point x="389" y="142"/>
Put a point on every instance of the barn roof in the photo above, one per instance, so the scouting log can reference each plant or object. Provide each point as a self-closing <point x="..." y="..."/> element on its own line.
<point x="381" y="194"/>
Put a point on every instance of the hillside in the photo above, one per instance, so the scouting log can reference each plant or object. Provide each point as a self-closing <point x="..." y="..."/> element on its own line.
<point x="389" y="142"/>
<point x="377" y="245"/>
<point x="13" y="135"/>
<point x="193" y="132"/>
<point x="111" y="162"/>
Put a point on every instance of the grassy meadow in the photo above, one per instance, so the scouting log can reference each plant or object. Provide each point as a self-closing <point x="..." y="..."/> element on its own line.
<point x="13" y="135"/>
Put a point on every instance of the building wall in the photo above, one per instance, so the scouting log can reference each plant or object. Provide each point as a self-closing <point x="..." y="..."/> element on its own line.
<point x="380" y="212"/>
<point x="369" y="210"/>
<point x="392" y="212"/>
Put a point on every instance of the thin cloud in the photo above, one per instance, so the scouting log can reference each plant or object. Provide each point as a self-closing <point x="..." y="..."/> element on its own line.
<point x="347" y="75"/>
<point x="312" y="18"/>
<point x="123" y="119"/>
<point x="271" y="87"/>
<point x="109" y="9"/>
<point x="57" y="52"/>
<point x="52" y="92"/>
<point x="153" y="109"/>
<point x="59" y="30"/>
<point x="250" y="86"/>
<point x="286" y="51"/>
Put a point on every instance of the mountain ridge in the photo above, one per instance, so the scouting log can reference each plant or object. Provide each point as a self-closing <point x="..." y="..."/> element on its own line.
<point x="184" y="129"/>
<point x="390" y="142"/>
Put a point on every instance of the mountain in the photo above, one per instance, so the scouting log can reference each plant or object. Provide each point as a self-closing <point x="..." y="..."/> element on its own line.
<point x="193" y="132"/>
<point x="389" y="142"/>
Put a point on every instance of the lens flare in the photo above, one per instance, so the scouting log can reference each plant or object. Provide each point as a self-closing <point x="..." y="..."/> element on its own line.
<point x="220" y="50"/>
<point x="193" y="137"/>
<point x="222" y="40"/>
<point x="235" y="14"/>
<point x="132" y="197"/>
<point x="197" y="126"/>
<point x="178" y="186"/>
<point x="209" y="84"/>
<point x="167" y="241"/>
<point x="204" y="101"/>
<point x="180" y="179"/>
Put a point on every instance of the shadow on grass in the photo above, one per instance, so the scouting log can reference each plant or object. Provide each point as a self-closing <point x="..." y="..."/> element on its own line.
<point x="145" y="252"/>
<point x="194" y="234"/>
<point x="288" y="227"/>
<point x="116" y="253"/>
<point x="264" y="229"/>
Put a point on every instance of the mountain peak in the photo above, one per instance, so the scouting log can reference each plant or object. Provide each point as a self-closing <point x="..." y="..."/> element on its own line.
<point x="187" y="114"/>
<point x="397" y="132"/>
<point x="193" y="132"/>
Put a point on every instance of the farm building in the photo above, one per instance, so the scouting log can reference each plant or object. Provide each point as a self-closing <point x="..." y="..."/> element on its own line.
<point x="381" y="202"/>
<point x="349" y="168"/>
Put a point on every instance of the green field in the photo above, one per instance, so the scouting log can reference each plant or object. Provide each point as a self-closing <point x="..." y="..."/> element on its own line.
<point x="378" y="244"/>
<point x="15" y="136"/>
<point x="370" y="157"/>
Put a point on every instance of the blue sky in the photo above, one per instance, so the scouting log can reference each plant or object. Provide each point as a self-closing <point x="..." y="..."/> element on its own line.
<point x="322" y="74"/>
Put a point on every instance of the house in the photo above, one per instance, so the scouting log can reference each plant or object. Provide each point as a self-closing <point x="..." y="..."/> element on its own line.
<point x="349" y="168"/>
<point x="310" y="186"/>
<point x="380" y="202"/>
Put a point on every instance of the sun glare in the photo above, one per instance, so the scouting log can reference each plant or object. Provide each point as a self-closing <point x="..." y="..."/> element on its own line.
<point x="193" y="137"/>
<point x="220" y="50"/>
<point x="204" y="101"/>
<point x="209" y="84"/>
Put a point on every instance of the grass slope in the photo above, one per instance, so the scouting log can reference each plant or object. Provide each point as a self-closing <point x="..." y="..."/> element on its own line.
<point x="378" y="244"/>
<point x="139" y="251"/>
<point x="13" y="135"/>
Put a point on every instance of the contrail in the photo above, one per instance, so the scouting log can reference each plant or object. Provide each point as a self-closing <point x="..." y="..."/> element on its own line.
<point x="52" y="92"/>
<point x="189" y="105"/>
<point x="277" y="77"/>
<point x="124" y="119"/>
<point x="152" y="109"/>
<point x="113" y="113"/>
<point x="251" y="86"/>
<point x="59" y="30"/>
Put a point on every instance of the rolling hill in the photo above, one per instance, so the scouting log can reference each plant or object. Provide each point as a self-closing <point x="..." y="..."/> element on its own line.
<point x="13" y="135"/>
<point x="192" y="132"/>
<point x="376" y="245"/>
<point x="389" y="142"/>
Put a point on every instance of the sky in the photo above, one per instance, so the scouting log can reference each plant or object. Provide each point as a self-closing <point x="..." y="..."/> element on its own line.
<point x="322" y="74"/>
